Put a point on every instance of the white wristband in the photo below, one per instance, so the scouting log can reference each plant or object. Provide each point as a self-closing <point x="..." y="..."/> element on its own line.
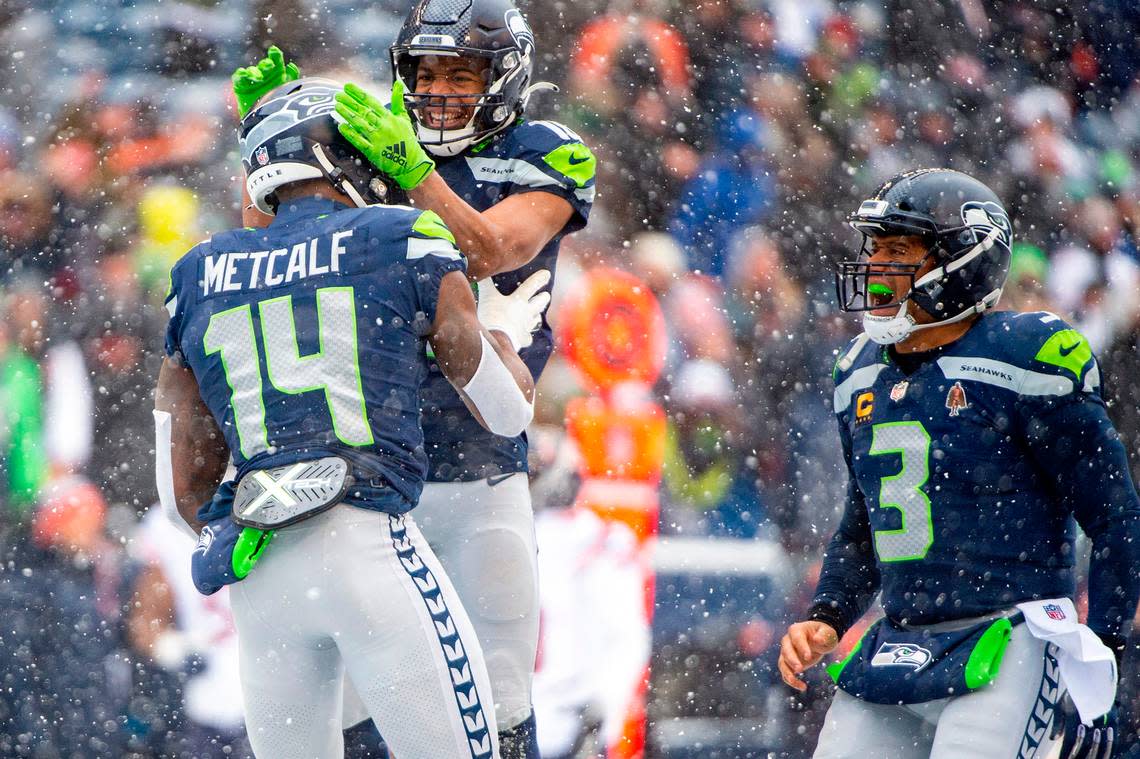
<point x="496" y="395"/>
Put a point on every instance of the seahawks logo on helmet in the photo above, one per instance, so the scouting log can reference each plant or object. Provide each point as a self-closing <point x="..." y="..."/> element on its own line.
<point x="520" y="31"/>
<point x="901" y="655"/>
<point x="984" y="217"/>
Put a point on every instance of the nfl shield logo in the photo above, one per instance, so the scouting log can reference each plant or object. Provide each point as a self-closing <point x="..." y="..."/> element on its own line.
<point x="898" y="392"/>
<point x="1053" y="611"/>
<point x="262" y="155"/>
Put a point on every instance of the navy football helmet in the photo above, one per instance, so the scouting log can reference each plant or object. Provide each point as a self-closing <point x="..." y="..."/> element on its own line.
<point x="493" y="30"/>
<point x="291" y="135"/>
<point x="966" y="231"/>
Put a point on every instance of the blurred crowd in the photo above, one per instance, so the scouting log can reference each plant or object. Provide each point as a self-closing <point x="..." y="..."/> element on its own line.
<point x="732" y="136"/>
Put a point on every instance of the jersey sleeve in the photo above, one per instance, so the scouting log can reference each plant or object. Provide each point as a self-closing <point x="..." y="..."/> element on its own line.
<point x="551" y="158"/>
<point x="180" y="290"/>
<point x="850" y="577"/>
<point x="431" y="254"/>
<point x="1078" y="454"/>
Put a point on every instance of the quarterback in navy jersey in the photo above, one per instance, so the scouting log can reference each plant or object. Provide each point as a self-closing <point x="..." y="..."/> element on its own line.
<point x="973" y="438"/>
<point x="455" y="139"/>
<point x="298" y="351"/>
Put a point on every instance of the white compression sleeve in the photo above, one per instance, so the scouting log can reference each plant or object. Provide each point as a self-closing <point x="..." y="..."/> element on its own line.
<point x="164" y="473"/>
<point x="494" y="392"/>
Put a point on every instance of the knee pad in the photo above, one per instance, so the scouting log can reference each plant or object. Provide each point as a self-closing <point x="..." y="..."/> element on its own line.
<point x="498" y="573"/>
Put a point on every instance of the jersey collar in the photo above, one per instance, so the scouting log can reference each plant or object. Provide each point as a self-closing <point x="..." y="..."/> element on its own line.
<point x="309" y="206"/>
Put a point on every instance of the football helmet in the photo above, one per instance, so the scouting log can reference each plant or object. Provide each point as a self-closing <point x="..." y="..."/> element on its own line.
<point x="493" y="30"/>
<point x="291" y="136"/>
<point x="966" y="231"/>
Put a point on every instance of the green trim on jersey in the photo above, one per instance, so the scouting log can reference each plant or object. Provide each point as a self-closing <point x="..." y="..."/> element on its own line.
<point x="429" y="224"/>
<point x="573" y="160"/>
<point x="1068" y="350"/>
<point x="835" y="669"/>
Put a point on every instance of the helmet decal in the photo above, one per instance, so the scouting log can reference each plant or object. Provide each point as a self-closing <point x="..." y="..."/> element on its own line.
<point x="984" y="217"/>
<point x="520" y="31"/>
<point x="292" y="135"/>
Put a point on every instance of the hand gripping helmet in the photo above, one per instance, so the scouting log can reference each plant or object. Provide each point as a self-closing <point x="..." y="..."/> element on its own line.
<point x="291" y="136"/>
<point x="493" y="30"/>
<point x="967" y="233"/>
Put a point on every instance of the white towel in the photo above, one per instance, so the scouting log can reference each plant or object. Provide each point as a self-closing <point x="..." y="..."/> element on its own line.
<point x="1087" y="666"/>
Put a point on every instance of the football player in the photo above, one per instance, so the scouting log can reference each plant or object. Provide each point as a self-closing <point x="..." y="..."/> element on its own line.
<point x="457" y="142"/>
<point x="972" y="438"/>
<point x="299" y="350"/>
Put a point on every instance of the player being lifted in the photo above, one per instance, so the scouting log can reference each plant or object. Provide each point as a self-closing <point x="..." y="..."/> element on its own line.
<point x="972" y="438"/>
<point x="509" y="189"/>
<point x="300" y="350"/>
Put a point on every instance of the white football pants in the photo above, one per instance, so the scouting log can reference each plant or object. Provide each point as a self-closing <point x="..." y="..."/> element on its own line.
<point x="1012" y="718"/>
<point x="483" y="534"/>
<point x="359" y="592"/>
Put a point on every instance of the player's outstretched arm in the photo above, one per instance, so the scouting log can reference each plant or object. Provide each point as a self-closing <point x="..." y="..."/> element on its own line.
<point x="482" y="365"/>
<point x="502" y="238"/>
<point x="803" y="646"/>
<point x="198" y="450"/>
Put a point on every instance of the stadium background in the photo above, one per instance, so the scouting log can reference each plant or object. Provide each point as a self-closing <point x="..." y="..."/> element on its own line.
<point x="732" y="137"/>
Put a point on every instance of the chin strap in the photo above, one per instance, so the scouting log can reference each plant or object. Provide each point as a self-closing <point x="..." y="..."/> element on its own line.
<point x="337" y="177"/>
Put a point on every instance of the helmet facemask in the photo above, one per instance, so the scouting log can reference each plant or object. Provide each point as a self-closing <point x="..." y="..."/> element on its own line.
<point x="928" y="292"/>
<point x="490" y="109"/>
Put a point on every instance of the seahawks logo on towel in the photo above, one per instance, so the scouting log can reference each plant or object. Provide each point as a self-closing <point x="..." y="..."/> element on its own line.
<point x="901" y="655"/>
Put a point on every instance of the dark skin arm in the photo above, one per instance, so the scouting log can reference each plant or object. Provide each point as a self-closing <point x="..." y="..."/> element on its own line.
<point x="198" y="449"/>
<point x="152" y="612"/>
<point x="455" y="341"/>
<point x="506" y="236"/>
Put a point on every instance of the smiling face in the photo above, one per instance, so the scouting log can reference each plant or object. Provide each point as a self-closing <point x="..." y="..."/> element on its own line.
<point x="893" y="259"/>
<point x="448" y="75"/>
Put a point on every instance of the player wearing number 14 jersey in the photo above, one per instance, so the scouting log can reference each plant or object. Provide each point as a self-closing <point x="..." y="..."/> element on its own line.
<point x="972" y="439"/>
<point x="299" y="351"/>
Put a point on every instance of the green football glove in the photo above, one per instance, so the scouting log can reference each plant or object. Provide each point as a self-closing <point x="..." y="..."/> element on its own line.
<point x="251" y="83"/>
<point x="386" y="138"/>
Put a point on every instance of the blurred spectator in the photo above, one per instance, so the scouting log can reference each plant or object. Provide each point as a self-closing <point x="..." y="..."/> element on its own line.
<point x="27" y="237"/>
<point x="1025" y="288"/>
<point x="733" y="187"/>
<point x="630" y="73"/>
<point x="1091" y="278"/>
<point x="709" y="486"/>
<point x="188" y="635"/>
<point x="118" y="340"/>
<point x="594" y="634"/>
<point x="698" y="325"/>
<point x="68" y="680"/>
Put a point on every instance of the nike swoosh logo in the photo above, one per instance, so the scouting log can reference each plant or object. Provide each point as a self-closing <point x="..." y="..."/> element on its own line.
<point x="575" y="160"/>
<point x="1067" y="349"/>
<point x="495" y="479"/>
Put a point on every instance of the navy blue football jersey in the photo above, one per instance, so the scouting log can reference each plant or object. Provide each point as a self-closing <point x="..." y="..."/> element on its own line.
<point x="965" y="475"/>
<point x="532" y="156"/>
<point x="307" y="338"/>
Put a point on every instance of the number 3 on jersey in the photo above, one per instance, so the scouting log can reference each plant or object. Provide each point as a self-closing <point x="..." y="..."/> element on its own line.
<point x="335" y="368"/>
<point x="903" y="491"/>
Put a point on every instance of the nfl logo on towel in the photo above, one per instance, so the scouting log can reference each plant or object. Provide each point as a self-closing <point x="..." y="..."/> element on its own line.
<point x="1053" y="611"/>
